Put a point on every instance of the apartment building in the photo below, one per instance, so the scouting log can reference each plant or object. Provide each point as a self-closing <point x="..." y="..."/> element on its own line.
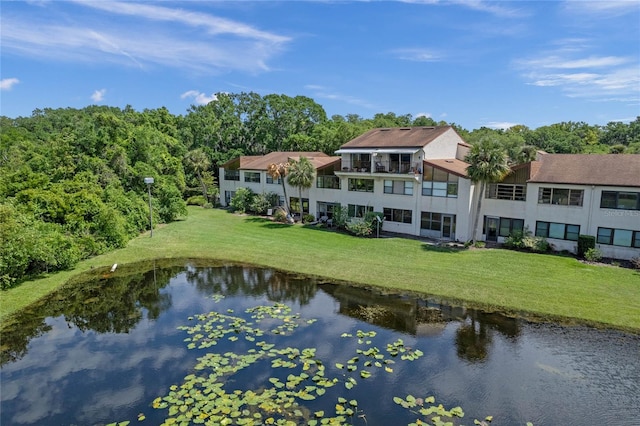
<point x="417" y="178"/>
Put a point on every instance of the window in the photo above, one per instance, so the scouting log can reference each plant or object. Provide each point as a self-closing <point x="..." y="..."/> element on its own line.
<point x="361" y="162"/>
<point x="431" y="221"/>
<point x="295" y="205"/>
<point x="361" y="185"/>
<point x="560" y="196"/>
<point x="620" y="200"/>
<point x="618" y="237"/>
<point x="501" y="191"/>
<point x="252" y="177"/>
<point x="559" y="231"/>
<point x="354" y="210"/>
<point x="326" y="209"/>
<point x="399" y="163"/>
<point x="328" y="182"/>
<point x="508" y="226"/>
<point x="438" y="183"/>
<point x="397" y="215"/>
<point x="232" y="175"/>
<point x="275" y="182"/>
<point x="404" y="187"/>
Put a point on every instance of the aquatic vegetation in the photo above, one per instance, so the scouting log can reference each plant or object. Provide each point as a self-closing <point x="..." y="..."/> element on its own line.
<point x="207" y="395"/>
<point x="210" y="394"/>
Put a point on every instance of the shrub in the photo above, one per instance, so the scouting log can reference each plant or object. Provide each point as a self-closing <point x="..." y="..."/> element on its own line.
<point x="585" y="242"/>
<point x="340" y="216"/>
<point x="308" y="218"/>
<point x="280" y="215"/>
<point x="515" y="240"/>
<point x="260" y="204"/>
<point x="479" y="244"/>
<point x="241" y="200"/>
<point x="170" y="203"/>
<point x="536" y="244"/>
<point x="359" y="228"/>
<point x="593" y="255"/>
<point x="635" y="262"/>
<point x="196" y="200"/>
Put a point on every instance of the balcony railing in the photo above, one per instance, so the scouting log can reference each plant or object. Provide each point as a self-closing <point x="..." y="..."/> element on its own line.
<point x="382" y="166"/>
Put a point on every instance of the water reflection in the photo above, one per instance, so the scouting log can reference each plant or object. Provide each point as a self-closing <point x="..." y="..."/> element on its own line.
<point x="420" y="317"/>
<point x="106" y="302"/>
<point x="230" y="281"/>
<point x="110" y="346"/>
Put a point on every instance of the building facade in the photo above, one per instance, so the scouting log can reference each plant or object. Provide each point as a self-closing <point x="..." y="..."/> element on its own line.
<point x="416" y="177"/>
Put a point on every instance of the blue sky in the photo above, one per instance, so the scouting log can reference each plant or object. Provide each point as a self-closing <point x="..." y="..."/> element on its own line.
<point x="469" y="62"/>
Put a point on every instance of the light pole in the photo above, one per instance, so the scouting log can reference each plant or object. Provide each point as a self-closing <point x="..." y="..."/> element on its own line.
<point x="149" y="182"/>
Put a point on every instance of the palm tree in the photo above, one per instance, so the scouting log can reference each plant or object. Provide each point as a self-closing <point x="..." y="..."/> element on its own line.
<point x="279" y="171"/>
<point x="198" y="160"/>
<point x="301" y="174"/>
<point x="488" y="163"/>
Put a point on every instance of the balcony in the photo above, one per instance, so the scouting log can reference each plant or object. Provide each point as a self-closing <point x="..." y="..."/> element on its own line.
<point x="381" y="166"/>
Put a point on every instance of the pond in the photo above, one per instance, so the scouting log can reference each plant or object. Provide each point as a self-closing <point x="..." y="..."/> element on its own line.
<point x="203" y="342"/>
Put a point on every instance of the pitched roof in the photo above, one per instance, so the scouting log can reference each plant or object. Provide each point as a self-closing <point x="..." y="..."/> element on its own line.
<point x="451" y="165"/>
<point x="587" y="169"/>
<point x="262" y="162"/>
<point x="399" y="137"/>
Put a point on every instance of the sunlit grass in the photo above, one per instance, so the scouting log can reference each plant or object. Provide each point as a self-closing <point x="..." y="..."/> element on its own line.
<point x="542" y="284"/>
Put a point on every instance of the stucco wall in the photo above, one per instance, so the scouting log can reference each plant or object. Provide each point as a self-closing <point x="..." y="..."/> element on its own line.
<point x="445" y="146"/>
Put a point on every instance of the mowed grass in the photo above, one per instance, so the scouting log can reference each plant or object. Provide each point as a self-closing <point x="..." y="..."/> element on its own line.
<point x="545" y="285"/>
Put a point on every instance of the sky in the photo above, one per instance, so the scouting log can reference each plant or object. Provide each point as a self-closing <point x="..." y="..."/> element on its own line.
<point x="470" y="62"/>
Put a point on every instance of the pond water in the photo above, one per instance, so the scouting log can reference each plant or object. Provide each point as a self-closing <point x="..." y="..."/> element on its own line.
<point x="105" y="349"/>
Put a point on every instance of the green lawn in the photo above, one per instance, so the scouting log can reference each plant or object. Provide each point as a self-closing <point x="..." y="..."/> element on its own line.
<point x="541" y="284"/>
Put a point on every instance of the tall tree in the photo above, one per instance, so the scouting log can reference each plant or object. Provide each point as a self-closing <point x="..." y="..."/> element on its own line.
<point x="279" y="171"/>
<point x="488" y="163"/>
<point x="301" y="174"/>
<point x="198" y="161"/>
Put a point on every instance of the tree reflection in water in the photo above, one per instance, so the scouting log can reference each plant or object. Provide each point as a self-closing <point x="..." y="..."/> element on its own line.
<point x="420" y="317"/>
<point x="116" y="302"/>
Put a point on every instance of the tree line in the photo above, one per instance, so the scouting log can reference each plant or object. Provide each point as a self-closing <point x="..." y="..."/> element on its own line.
<point x="72" y="180"/>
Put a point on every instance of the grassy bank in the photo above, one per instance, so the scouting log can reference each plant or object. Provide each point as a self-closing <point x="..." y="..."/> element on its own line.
<point x="542" y="284"/>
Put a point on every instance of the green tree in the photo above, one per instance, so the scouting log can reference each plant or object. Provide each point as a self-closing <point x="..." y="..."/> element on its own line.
<point x="301" y="174"/>
<point x="487" y="163"/>
<point x="279" y="171"/>
<point x="198" y="161"/>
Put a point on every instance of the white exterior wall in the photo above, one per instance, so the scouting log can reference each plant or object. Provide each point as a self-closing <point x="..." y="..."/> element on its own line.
<point x="613" y="218"/>
<point x="589" y="216"/>
<point x="571" y="215"/>
<point x="461" y="207"/>
<point x="445" y="146"/>
<point x="503" y="208"/>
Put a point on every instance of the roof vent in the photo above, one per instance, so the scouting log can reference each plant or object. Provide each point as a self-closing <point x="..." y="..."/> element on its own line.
<point x="405" y="128"/>
<point x="448" y="161"/>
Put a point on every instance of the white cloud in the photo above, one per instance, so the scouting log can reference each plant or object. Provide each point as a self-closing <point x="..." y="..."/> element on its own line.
<point x="8" y="83"/>
<point x="504" y="125"/>
<point x="492" y="8"/>
<point x="589" y="62"/>
<point x="98" y="95"/>
<point x="199" y="98"/>
<point x="220" y="45"/>
<point x="416" y="54"/>
<point x="326" y="93"/>
<point x="582" y="75"/>
<point x="213" y="24"/>
<point x="602" y="9"/>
